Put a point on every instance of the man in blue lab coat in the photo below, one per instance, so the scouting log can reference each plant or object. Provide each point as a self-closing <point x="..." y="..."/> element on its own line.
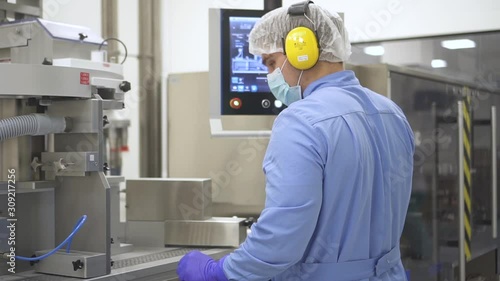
<point x="338" y="167"/>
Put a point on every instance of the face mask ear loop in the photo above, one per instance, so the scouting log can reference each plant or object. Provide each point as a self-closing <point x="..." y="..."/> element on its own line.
<point x="284" y="64"/>
<point x="300" y="77"/>
<point x="298" y="83"/>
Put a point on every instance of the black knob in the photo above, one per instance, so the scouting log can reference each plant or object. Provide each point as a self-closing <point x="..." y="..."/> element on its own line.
<point x="125" y="86"/>
<point x="106" y="168"/>
<point x="248" y="222"/>
<point x="47" y="61"/>
<point x="78" y="264"/>
<point x="105" y="120"/>
<point x="82" y="36"/>
<point x="32" y="263"/>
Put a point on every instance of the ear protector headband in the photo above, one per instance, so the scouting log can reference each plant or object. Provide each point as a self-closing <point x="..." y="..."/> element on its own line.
<point x="301" y="45"/>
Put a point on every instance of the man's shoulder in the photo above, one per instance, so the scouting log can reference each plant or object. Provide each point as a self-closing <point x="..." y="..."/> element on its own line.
<point x="308" y="114"/>
<point x="326" y="103"/>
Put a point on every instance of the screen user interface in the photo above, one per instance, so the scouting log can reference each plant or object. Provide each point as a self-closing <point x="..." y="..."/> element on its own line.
<point x="248" y="74"/>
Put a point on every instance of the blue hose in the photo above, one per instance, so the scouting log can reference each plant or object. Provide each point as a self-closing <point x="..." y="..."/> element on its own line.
<point x="68" y="241"/>
<point x="76" y="227"/>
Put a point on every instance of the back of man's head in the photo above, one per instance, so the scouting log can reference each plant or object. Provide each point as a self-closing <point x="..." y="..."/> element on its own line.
<point x="268" y="34"/>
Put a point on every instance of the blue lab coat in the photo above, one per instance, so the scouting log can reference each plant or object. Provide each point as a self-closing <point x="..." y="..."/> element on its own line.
<point x="339" y="171"/>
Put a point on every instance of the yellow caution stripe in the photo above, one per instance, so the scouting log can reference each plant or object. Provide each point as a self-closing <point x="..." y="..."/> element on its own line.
<point x="467" y="173"/>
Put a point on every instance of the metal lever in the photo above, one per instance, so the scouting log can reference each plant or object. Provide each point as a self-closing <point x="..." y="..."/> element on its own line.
<point x="494" y="216"/>
<point x="461" y="186"/>
<point x="35" y="164"/>
<point x="61" y="165"/>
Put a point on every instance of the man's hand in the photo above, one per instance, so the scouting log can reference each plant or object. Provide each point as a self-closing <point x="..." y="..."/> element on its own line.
<point x="196" y="266"/>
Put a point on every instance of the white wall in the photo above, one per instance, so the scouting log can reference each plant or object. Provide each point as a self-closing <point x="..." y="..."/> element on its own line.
<point x="389" y="19"/>
<point x="186" y="32"/>
<point x="128" y="23"/>
<point x="78" y="12"/>
<point x="366" y="20"/>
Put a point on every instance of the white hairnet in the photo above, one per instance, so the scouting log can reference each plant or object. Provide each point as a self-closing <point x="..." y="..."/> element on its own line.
<point x="266" y="36"/>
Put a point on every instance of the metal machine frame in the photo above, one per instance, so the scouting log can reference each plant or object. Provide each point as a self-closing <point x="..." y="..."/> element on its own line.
<point x="73" y="162"/>
<point x="449" y="261"/>
<point x="62" y="176"/>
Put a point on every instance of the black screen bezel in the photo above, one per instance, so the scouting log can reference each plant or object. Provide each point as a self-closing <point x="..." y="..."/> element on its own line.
<point x="251" y="99"/>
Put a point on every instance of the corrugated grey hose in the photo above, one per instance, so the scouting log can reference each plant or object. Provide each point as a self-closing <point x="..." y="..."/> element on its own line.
<point x="32" y="125"/>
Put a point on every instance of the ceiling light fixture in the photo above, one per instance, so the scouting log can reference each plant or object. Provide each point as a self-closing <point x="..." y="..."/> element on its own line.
<point x="374" y="50"/>
<point x="439" y="63"/>
<point x="458" y="44"/>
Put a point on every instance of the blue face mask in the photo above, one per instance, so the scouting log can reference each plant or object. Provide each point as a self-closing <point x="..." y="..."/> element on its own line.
<point x="280" y="88"/>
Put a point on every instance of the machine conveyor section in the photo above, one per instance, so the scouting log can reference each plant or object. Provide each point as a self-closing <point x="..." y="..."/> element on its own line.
<point x="141" y="264"/>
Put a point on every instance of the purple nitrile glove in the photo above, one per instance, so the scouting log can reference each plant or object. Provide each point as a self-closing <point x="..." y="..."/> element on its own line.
<point x="196" y="266"/>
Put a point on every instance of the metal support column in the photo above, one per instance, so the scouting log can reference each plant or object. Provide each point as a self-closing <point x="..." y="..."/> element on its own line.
<point x="494" y="198"/>
<point x="150" y="69"/>
<point x="272" y="4"/>
<point x="467" y="162"/>
<point x="109" y="18"/>
<point x="461" y="205"/>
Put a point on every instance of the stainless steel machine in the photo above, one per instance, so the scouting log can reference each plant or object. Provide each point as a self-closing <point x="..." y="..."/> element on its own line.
<point x="54" y="102"/>
<point x="227" y="137"/>
<point x="451" y="227"/>
<point x="53" y="98"/>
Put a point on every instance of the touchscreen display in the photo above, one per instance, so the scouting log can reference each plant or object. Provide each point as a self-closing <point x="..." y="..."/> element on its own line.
<point x="248" y="74"/>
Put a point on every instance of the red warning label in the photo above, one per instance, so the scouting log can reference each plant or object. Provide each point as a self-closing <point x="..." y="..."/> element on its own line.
<point x="84" y="78"/>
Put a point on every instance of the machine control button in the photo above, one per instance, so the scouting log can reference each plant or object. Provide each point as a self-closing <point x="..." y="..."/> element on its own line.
<point x="235" y="103"/>
<point x="278" y="104"/>
<point x="266" y="103"/>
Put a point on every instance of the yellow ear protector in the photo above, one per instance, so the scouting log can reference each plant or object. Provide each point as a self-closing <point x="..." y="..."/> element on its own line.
<point x="301" y="44"/>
